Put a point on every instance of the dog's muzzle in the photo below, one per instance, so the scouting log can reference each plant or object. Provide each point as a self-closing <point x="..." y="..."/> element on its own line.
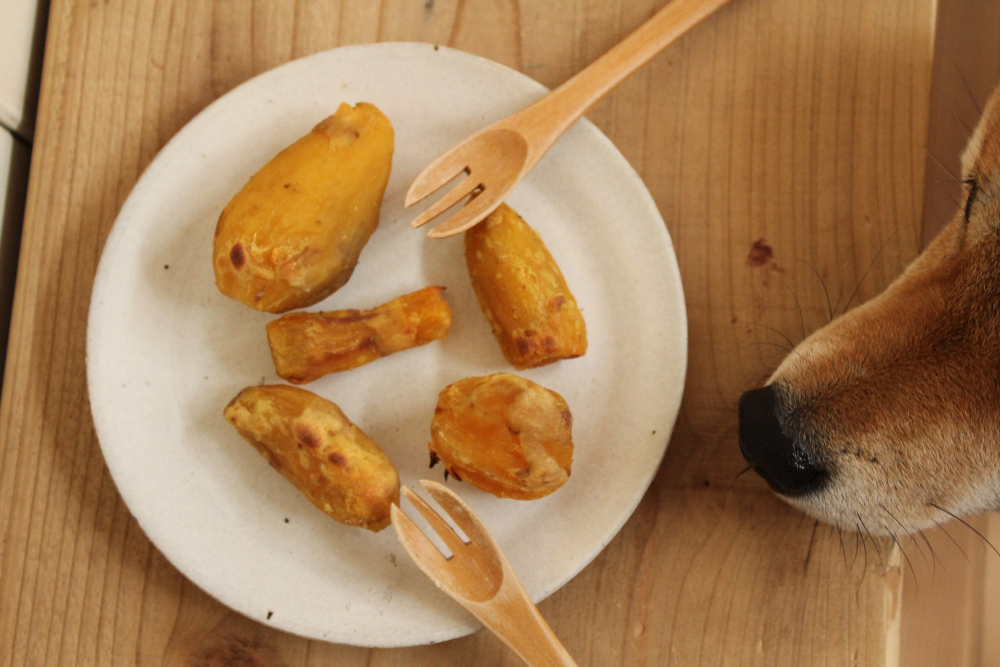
<point x="779" y="459"/>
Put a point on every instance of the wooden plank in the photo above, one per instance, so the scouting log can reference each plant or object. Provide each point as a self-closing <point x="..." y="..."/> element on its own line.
<point x="798" y="123"/>
<point x="966" y="70"/>
<point x="942" y="619"/>
<point x="15" y="158"/>
<point x="989" y="650"/>
<point x="947" y="617"/>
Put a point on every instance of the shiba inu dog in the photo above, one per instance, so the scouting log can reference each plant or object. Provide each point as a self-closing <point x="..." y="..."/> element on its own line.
<point x="887" y="420"/>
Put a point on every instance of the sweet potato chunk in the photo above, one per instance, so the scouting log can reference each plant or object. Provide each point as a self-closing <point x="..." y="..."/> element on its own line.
<point x="505" y="435"/>
<point x="309" y="440"/>
<point x="522" y="292"/>
<point x="307" y="346"/>
<point x="293" y="234"/>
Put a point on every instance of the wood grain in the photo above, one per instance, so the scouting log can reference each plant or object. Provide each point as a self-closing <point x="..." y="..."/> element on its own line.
<point x="799" y="125"/>
<point x="966" y="70"/>
<point x="952" y="581"/>
<point x="942" y="621"/>
<point x="989" y="639"/>
<point x="528" y="134"/>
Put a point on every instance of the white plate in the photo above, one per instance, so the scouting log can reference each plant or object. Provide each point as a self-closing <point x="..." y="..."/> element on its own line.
<point x="166" y="351"/>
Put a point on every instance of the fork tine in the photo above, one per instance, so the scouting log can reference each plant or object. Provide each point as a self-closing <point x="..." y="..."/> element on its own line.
<point x="474" y="211"/>
<point x="444" y="168"/>
<point x="463" y="189"/>
<point x="440" y="526"/>
<point x="461" y="513"/>
<point x="418" y="545"/>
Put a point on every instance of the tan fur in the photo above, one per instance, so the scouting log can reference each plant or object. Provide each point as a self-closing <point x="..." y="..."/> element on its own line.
<point x="899" y="399"/>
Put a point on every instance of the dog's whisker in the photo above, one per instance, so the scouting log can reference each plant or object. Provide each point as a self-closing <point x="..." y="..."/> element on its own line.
<point x="913" y="539"/>
<point x="788" y="340"/>
<point x="967" y="525"/>
<point x="968" y="88"/>
<point x="798" y="307"/>
<point x="742" y="472"/>
<point x="787" y="349"/>
<point x="916" y="586"/>
<point x="965" y="126"/>
<point x="934" y="558"/>
<point x="865" y="547"/>
<point x="946" y="181"/>
<point x="950" y="537"/>
<point x="893" y="517"/>
<point x="861" y="282"/>
<point x="840" y="295"/>
<point x="809" y="551"/>
<point x="874" y="544"/>
<point x="857" y="535"/>
<point x="843" y="549"/>
<point x="944" y="167"/>
<point x="822" y="283"/>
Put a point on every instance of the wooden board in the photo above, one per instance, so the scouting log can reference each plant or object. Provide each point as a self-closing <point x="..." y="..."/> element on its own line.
<point x="951" y="590"/>
<point x="966" y="70"/>
<point x="799" y="125"/>
<point x="989" y="638"/>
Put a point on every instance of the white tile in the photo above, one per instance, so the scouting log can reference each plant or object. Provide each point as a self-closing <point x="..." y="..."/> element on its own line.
<point x="20" y="60"/>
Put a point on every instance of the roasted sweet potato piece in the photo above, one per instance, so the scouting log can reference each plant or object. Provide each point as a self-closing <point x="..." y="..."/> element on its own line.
<point x="522" y="292"/>
<point x="307" y="346"/>
<point x="503" y="434"/>
<point x="309" y="440"/>
<point x="293" y="234"/>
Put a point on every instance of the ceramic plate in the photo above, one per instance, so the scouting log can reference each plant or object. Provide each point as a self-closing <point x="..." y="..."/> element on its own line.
<point x="166" y="351"/>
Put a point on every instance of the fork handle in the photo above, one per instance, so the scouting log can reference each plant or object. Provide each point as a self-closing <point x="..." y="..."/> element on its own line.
<point x="514" y="618"/>
<point x="552" y="115"/>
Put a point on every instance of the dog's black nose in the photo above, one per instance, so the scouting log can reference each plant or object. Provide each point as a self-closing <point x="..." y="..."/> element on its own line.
<point x="776" y="457"/>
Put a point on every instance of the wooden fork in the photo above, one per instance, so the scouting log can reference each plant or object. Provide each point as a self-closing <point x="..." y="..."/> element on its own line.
<point x="478" y="576"/>
<point x="496" y="158"/>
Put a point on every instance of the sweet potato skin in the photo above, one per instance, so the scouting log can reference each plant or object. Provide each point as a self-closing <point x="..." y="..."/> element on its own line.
<point x="522" y="292"/>
<point x="307" y="346"/>
<point x="310" y="441"/>
<point x="292" y="236"/>
<point x="503" y="434"/>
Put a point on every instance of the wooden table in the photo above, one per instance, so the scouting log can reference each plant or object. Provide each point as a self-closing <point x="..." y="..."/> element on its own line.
<point x="797" y="127"/>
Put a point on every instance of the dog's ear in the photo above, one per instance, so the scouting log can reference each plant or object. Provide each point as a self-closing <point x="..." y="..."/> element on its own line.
<point x="982" y="146"/>
<point x="981" y="171"/>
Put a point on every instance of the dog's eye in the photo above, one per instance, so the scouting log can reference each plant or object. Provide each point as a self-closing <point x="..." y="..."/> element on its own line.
<point x="971" y="198"/>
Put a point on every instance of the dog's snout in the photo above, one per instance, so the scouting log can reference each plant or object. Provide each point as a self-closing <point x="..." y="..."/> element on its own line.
<point x="773" y="455"/>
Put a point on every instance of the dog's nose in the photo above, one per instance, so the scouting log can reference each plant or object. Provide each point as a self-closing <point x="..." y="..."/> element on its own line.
<point x="776" y="457"/>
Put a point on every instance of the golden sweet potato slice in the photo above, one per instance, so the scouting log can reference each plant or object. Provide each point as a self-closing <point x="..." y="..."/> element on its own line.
<point x="307" y="346"/>
<point x="522" y="292"/>
<point x="503" y="434"/>
<point x="293" y="234"/>
<point x="309" y="440"/>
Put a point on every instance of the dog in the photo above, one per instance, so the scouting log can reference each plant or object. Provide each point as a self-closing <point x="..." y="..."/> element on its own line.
<point x="887" y="420"/>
